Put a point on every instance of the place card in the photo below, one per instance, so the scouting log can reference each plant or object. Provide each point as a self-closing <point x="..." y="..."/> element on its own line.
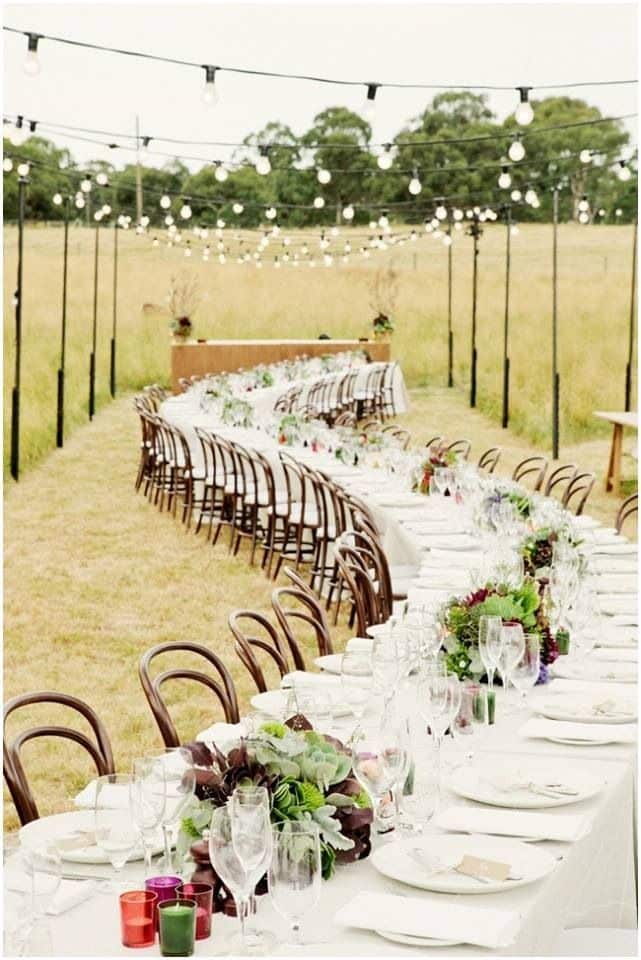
<point x="481" y="869"/>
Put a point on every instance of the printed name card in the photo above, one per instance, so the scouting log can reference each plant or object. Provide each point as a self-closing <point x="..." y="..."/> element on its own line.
<point x="483" y="869"/>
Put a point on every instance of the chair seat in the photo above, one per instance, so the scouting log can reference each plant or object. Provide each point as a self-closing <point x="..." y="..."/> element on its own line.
<point x="596" y="942"/>
<point x="310" y="517"/>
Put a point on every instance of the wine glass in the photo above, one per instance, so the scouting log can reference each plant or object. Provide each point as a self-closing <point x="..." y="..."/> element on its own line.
<point x="295" y="873"/>
<point x="147" y="794"/>
<point x="252" y="839"/>
<point x="525" y="671"/>
<point x="180" y="786"/>
<point x="379" y="758"/>
<point x="116" y="833"/>
<point x="439" y="702"/>
<point x="385" y="663"/>
<point x="512" y="648"/>
<point x="228" y="866"/>
<point x="490" y="645"/>
<point x="357" y="680"/>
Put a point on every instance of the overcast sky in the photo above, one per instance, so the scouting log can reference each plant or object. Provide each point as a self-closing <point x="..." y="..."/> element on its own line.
<point x="519" y="44"/>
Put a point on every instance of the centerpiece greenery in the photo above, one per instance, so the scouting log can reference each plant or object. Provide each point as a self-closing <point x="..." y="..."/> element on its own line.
<point x="437" y="457"/>
<point x="308" y="777"/>
<point x="537" y="549"/>
<point x="182" y="300"/>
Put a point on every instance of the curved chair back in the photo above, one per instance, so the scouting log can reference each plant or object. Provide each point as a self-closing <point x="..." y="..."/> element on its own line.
<point x="221" y="685"/>
<point x="436" y="441"/>
<point x="245" y="644"/>
<point x="312" y="615"/>
<point x="578" y="490"/>
<point x="460" y="447"/>
<point x="533" y="467"/>
<point x="353" y="570"/>
<point x="489" y="459"/>
<point x="99" y="749"/>
<point x="563" y="474"/>
<point x="627" y="509"/>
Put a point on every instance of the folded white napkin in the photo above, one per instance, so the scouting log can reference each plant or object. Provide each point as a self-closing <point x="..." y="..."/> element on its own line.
<point x="603" y="563"/>
<point x="428" y="597"/>
<point x="452" y="558"/>
<point x="483" y="926"/>
<point x="301" y="678"/>
<point x="615" y="549"/>
<point x="515" y="823"/>
<point x="453" y="541"/>
<point x="617" y="583"/>
<point x="617" y="636"/>
<point x="614" y="654"/>
<point x="626" y="619"/>
<point x="584" y="522"/>
<point x="69" y="894"/>
<point x="360" y="644"/>
<point x="591" y="688"/>
<point x="600" y="535"/>
<point x="542" y="728"/>
<point x="618" y="604"/>
<point x="112" y="797"/>
<point x="224" y="735"/>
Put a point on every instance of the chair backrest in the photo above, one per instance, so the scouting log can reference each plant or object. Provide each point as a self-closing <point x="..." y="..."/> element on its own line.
<point x="345" y="419"/>
<point x="435" y="442"/>
<point x="297" y="580"/>
<point x="312" y="615"/>
<point x="268" y="641"/>
<point x="14" y="772"/>
<point x="221" y="685"/>
<point x="578" y="490"/>
<point x="460" y="447"/>
<point x="368" y="539"/>
<point x="533" y="467"/>
<point x="400" y="434"/>
<point x="370" y="423"/>
<point x="211" y="458"/>
<point x="360" y="586"/>
<point x="627" y="509"/>
<point x="489" y="459"/>
<point x="564" y="474"/>
<point x="184" y="383"/>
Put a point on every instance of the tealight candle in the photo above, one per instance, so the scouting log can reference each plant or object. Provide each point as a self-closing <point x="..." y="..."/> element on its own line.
<point x="177" y="927"/>
<point x="164" y="888"/>
<point x="491" y="703"/>
<point x="203" y="894"/>
<point x="137" y="909"/>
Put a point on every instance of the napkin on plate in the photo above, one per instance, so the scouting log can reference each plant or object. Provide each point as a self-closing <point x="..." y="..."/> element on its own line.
<point x="224" y="735"/>
<point x="69" y="894"/>
<point x="542" y="728"/>
<point x="589" y="688"/>
<point x="618" y="604"/>
<point x="615" y="635"/>
<point x="308" y="678"/>
<point x="615" y="583"/>
<point x="452" y="541"/>
<point x="626" y="619"/>
<point x="444" y="557"/>
<point x="114" y="797"/>
<point x="483" y="926"/>
<point x="360" y="644"/>
<point x="615" y="549"/>
<point x="615" y="654"/>
<point x="515" y="823"/>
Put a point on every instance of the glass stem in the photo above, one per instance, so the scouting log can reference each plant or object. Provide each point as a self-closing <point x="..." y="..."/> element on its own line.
<point x="437" y="770"/>
<point x="296" y="935"/>
<point x="167" y="844"/>
<point x="490" y="678"/>
<point x="242" y="909"/>
<point x="146" y="850"/>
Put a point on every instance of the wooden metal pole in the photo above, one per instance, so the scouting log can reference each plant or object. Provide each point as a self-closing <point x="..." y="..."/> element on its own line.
<point x="628" y="369"/>
<point x="60" y="413"/>
<point x="476" y="232"/>
<point x="555" y="370"/>
<point x="15" y="393"/>
<point x="94" y="335"/>
<point x="506" y="321"/>
<point x="450" y="334"/>
<point x="112" y="364"/>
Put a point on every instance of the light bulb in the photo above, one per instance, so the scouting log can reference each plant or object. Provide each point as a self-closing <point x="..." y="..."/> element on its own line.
<point x="101" y="179"/>
<point x="185" y="211"/>
<point x="458" y="225"/>
<point x="516" y="151"/>
<point x="80" y="202"/>
<point x="270" y="213"/>
<point x="530" y="196"/>
<point x="169" y="220"/>
<point x="57" y="199"/>
<point x="385" y="160"/>
<point x="323" y="176"/>
<point x="144" y="222"/>
<point x="536" y="203"/>
<point x="585" y="156"/>
<point x="383" y="221"/>
<point x="505" y="180"/>
<point x="435" y="223"/>
<point x="441" y="212"/>
<point x="328" y="260"/>
<point x="583" y="204"/>
<point x="624" y="171"/>
<point x="516" y="195"/>
<point x="319" y="203"/>
<point x="221" y="173"/>
<point x="204" y="233"/>
<point x="263" y="166"/>
<point x="209" y="95"/>
<point x="222" y="258"/>
<point x="220" y="224"/>
<point x="98" y="215"/>
<point x="165" y="202"/>
<point x="85" y="185"/>
<point x="238" y="208"/>
<point x="524" y="114"/>
<point x="172" y="229"/>
<point x="457" y="214"/>
<point x="31" y="64"/>
<point x="447" y="240"/>
<point x="584" y="217"/>
<point x="23" y="170"/>
<point x="618" y="212"/>
<point x="7" y="164"/>
<point x="601" y="212"/>
<point x="106" y="209"/>
<point x="188" y="252"/>
<point x="19" y="134"/>
<point x="276" y="263"/>
<point x="348" y="212"/>
<point x="514" y="230"/>
<point x="415" y="186"/>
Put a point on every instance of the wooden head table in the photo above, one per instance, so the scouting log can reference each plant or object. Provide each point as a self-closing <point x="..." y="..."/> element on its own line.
<point x="215" y="356"/>
<point x="619" y="421"/>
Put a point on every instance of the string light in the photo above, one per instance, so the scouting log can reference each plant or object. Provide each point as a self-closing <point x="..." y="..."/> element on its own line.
<point x="185" y="211"/>
<point x="624" y="173"/>
<point x="57" y="199"/>
<point x="505" y="180"/>
<point x="584" y="217"/>
<point x="319" y="203"/>
<point x="209" y="95"/>
<point x="415" y="186"/>
<point x="385" y="159"/>
<point x="101" y="179"/>
<point x="85" y="185"/>
<point x="270" y="213"/>
<point x="530" y="196"/>
<point x="583" y="204"/>
<point x="169" y="220"/>
<point x="457" y="214"/>
<point x="516" y="195"/>
<point x="263" y="166"/>
<point x="323" y="176"/>
<point x="524" y="114"/>
<point x="238" y="208"/>
<point x="348" y="212"/>
<point x="79" y="201"/>
<point x="31" y="64"/>
<point x="165" y="202"/>
<point x="514" y="230"/>
<point x="106" y="209"/>
<point x="7" y="164"/>
<point x="370" y="101"/>
<point x="441" y="212"/>
<point x="221" y="173"/>
<point x="585" y="156"/>
<point x="516" y="151"/>
<point x="23" y="169"/>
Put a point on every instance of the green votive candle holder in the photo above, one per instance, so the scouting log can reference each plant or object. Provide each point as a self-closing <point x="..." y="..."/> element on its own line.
<point x="479" y="706"/>
<point x="563" y="642"/>
<point x="177" y="925"/>
<point x="491" y="705"/>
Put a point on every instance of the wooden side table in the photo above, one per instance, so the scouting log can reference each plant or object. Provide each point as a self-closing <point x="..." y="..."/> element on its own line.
<point x="618" y="421"/>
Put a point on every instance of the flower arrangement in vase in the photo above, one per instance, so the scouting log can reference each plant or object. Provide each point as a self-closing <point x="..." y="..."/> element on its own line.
<point x="182" y="300"/>
<point x="437" y="457"/>
<point x="384" y="291"/>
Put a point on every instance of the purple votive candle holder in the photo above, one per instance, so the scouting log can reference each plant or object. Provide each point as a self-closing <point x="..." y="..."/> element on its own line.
<point x="164" y="888"/>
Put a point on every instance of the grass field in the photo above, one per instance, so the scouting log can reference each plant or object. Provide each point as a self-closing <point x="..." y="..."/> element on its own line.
<point x="594" y="303"/>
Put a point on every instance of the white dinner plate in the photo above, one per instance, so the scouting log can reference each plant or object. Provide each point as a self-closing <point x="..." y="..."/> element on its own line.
<point x="396" y="860"/>
<point x="473" y="783"/>
<point x="411" y="941"/>
<point x="274" y="704"/>
<point x="579" y="743"/>
<point x="601" y="672"/>
<point x="579" y="709"/>
<point x="330" y="663"/>
<point x="404" y="500"/>
<point x="47" y="830"/>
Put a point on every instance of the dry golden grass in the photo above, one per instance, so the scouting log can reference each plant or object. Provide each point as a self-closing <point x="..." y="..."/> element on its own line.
<point x="94" y="575"/>
<point x="594" y="289"/>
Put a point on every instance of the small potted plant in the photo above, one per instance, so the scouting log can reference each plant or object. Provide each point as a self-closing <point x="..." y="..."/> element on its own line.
<point x="182" y="299"/>
<point x="383" y="290"/>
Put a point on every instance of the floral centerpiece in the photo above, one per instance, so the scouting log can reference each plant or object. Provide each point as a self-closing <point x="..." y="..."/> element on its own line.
<point x="263" y="377"/>
<point x="537" y="549"/>
<point x="460" y="620"/>
<point x="308" y="777"/>
<point x="384" y="286"/>
<point x="518" y="499"/>
<point x="290" y="429"/>
<point x="182" y="299"/>
<point x="237" y="413"/>
<point x="437" y="457"/>
<point x="383" y="326"/>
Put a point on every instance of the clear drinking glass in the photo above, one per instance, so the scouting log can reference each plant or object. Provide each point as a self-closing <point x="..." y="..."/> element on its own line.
<point x="439" y="702"/>
<point x="490" y="645"/>
<point x="147" y="794"/>
<point x="252" y="840"/>
<point x="379" y="757"/>
<point x="525" y="671"/>
<point x="116" y="832"/>
<point x="512" y="648"/>
<point x="43" y="866"/>
<point x="295" y="873"/>
<point x="357" y="680"/>
<point x="180" y="786"/>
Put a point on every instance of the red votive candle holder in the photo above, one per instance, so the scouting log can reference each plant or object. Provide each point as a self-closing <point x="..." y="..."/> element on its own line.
<point x="203" y="895"/>
<point x="137" y="918"/>
<point x="164" y="888"/>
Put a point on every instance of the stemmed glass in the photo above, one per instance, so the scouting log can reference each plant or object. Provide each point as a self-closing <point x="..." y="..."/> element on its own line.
<point x="490" y="645"/>
<point x="295" y="872"/>
<point x="525" y="671"/>
<point x="512" y="649"/>
<point x="147" y="794"/>
<point x="439" y="702"/>
<point x="357" y="680"/>
<point x="116" y="833"/>
<point x="180" y="786"/>
<point x="379" y="758"/>
<point x="251" y="836"/>
<point x="26" y="930"/>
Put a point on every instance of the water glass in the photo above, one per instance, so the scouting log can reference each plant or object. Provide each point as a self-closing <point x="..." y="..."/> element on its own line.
<point x="295" y="873"/>
<point x="380" y="758"/>
<point x="180" y="786"/>
<point x="525" y="671"/>
<point x="490" y="645"/>
<point x="357" y="681"/>
<point x="147" y="802"/>
<point x="512" y="650"/>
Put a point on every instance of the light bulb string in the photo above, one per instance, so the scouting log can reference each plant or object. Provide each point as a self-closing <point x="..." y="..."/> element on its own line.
<point x="510" y="135"/>
<point x="336" y="81"/>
